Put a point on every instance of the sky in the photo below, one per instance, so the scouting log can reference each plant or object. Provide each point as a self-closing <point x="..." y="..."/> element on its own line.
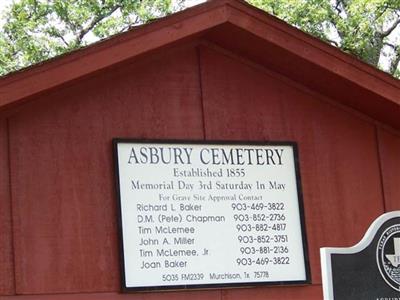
<point x="193" y="2"/>
<point x="188" y="3"/>
<point x="4" y="3"/>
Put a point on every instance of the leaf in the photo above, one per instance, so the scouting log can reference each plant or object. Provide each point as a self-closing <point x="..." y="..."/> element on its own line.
<point x="36" y="30"/>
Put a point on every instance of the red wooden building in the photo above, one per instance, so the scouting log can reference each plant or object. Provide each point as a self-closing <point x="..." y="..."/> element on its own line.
<point x="220" y="71"/>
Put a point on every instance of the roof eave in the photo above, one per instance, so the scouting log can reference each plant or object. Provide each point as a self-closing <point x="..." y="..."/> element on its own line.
<point x="321" y="65"/>
<point x="80" y="63"/>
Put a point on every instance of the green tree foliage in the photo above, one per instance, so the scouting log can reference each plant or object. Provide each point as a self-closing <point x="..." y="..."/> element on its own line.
<point x="368" y="29"/>
<point x="35" y="30"/>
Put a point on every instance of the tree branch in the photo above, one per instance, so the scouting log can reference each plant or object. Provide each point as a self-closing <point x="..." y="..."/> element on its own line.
<point x="94" y="22"/>
<point x="61" y="37"/>
<point x="333" y="18"/>
<point x="381" y="10"/>
<point x="391" y="28"/>
<point x="390" y="45"/>
<point x="337" y="7"/>
<point x="343" y="4"/>
<point x="395" y="62"/>
<point x="65" y="18"/>
<point x="336" y="44"/>
<point x="131" y="24"/>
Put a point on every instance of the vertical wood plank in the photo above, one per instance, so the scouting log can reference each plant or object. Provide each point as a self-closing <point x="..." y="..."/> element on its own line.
<point x="185" y="295"/>
<point x="313" y="292"/>
<point x="62" y="167"/>
<point x="389" y="150"/>
<point x="338" y="154"/>
<point x="6" y="249"/>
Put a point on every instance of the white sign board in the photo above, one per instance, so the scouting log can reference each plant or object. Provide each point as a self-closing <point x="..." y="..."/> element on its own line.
<point x="209" y="215"/>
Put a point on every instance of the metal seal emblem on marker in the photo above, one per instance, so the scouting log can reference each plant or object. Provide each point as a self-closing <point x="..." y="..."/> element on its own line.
<point x="388" y="256"/>
<point x="368" y="270"/>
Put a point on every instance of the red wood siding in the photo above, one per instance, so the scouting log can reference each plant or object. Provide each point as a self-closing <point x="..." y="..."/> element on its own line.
<point x="389" y="146"/>
<point x="275" y="293"/>
<point x="6" y="250"/>
<point x="62" y="172"/>
<point x="338" y="155"/>
<point x="63" y="176"/>
<point x="194" y="295"/>
<point x="288" y="293"/>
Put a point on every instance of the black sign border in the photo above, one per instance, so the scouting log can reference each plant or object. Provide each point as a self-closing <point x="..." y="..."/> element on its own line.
<point x="171" y="288"/>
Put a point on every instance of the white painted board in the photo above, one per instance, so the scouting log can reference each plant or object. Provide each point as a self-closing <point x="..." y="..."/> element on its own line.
<point x="209" y="214"/>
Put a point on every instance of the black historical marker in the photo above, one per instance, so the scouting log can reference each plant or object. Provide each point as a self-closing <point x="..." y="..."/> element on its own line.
<point x="371" y="269"/>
